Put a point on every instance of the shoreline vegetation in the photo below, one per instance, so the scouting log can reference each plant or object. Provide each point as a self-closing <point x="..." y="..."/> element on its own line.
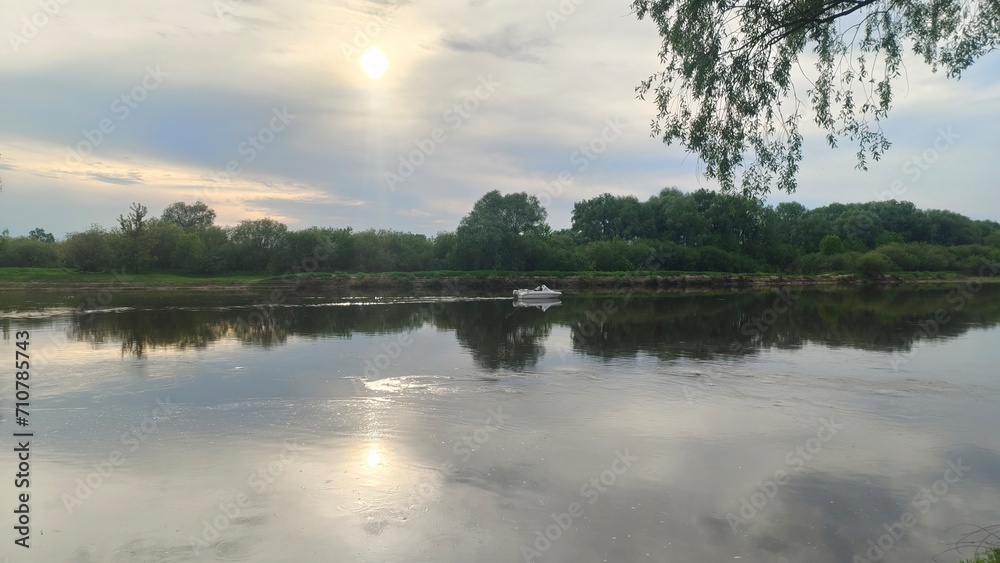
<point x="674" y="241"/>
<point x="457" y="282"/>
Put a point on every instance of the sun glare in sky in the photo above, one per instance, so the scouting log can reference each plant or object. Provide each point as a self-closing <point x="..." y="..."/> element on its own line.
<point x="374" y="62"/>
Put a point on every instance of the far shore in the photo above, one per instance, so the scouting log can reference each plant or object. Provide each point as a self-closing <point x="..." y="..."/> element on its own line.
<point x="455" y="283"/>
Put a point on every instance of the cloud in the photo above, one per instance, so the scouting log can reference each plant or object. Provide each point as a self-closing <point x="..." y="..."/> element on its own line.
<point x="226" y="76"/>
<point x="505" y="44"/>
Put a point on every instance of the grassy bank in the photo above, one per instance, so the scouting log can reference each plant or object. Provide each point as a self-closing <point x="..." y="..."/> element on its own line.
<point x="451" y="282"/>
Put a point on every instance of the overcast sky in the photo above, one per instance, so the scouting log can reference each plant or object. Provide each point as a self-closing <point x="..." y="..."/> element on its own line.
<point x="261" y="108"/>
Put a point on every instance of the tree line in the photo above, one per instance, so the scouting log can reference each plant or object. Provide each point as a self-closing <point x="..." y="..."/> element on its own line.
<point x="673" y="231"/>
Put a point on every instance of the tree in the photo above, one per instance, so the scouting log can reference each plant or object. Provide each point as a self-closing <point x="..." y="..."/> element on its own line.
<point x="89" y="251"/>
<point x="993" y="239"/>
<point x="608" y="217"/>
<point x="678" y="219"/>
<point x="136" y="241"/>
<point x="788" y="223"/>
<point x="27" y="252"/>
<point x="254" y="242"/>
<point x="726" y="90"/>
<point x="830" y="245"/>
<point x="491" y="235"/>
<point x="187" y="216"/>
<point x="859" y="227"/>
<point x="40" y="235"/>
<point x="164" y="236"/>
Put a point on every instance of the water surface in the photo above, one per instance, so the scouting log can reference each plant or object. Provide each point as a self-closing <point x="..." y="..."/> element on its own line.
<point x="769" y="426"/>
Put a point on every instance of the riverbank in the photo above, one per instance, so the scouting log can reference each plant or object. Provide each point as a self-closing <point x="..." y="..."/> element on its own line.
<point x="452" y="283"/>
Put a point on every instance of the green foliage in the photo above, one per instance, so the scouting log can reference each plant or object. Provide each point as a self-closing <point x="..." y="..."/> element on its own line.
<point x="163" y="237"/>
<point x="671" y="231"/>
<point x="492" y="235"/>
<point x="726" y="90"/>
<point x="859" y="227"/>
<point x="254" y="243"/>
<point x="888" y="237"/>
<point x="135" y="242"/>
<point x="875" y="265"/>
<point x="831" y="244"/>
<point x="617" y="255"/>
<point x="89" y="251"/>
<point x="902" y="255"/>
<point x="195" y="216"/>
<point x="609" y="217"/>
<point x="189" y="254"/>
<point x="991" y="555"/>
<point x="993" y="239"/>
<point x="40" y="235"/>
<point x="391" y="251"/>
<point x="28" y="252"/>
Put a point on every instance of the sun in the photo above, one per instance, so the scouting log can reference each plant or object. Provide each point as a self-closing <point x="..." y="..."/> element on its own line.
<point x="374" y="62"/>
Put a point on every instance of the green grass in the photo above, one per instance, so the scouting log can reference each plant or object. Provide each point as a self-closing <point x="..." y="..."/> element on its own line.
<point x="990" y="556"/>
<point x="57" y="275"/>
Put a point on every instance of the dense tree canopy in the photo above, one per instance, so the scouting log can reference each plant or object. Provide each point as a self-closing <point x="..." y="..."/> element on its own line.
<point x="494" y="234"/>
<point x="189" y="216"/>
<point x="41" y="235"/>
<point x="727" y="87"/>
<point x="673" y="230"/>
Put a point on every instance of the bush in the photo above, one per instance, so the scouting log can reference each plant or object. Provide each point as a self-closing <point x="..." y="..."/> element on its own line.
<point x="875" y="265"/>
<point x="24" y="252"/>
<point x="608" y="256"/>
<point x="89" y="251"/>
<point x="932" y="258"/>
<point x="901" y="255"/>
<point x="888" y="237"/>
<point x="831" y="244"/>
<point x="810" y="263"/>
<point x="993" y="239"/>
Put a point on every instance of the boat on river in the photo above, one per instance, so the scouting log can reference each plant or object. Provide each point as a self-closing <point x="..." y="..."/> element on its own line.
<point x="540" y="292"/>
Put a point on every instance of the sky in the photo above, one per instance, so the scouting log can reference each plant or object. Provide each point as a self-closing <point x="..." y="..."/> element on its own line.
<point x="262" y="108"/>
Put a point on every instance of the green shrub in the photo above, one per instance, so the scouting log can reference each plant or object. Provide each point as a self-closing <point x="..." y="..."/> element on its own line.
<point x="90" y="251"/>
<point x="831" y="244"/>
<point x="875" y="265"/>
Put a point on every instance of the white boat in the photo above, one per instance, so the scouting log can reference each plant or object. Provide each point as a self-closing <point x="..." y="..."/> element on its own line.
<point x="540" y="292"/>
